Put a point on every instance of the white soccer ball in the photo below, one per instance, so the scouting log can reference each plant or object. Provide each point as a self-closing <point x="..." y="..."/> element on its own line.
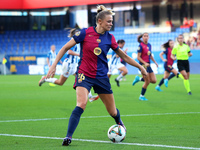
<point x="116" y="133"/>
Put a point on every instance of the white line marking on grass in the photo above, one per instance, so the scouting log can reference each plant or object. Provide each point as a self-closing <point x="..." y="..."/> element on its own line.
<point x="157" y="114"/>
<point x="98" y="141"/>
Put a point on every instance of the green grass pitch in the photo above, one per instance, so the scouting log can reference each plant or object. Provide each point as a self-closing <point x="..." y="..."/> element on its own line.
<point x="33" y="117"/>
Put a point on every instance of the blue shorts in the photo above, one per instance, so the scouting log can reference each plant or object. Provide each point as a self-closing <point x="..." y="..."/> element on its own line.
<point x="149" y="69"/>
<point x="100" y="86"/>
<point x="168" y="68"/>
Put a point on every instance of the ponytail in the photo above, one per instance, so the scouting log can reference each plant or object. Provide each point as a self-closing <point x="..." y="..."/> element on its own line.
<point x="72" y="32"/>
<point x="102" y="11"/>
<point x="166" y="45"/>
<point x="139" y="38"/>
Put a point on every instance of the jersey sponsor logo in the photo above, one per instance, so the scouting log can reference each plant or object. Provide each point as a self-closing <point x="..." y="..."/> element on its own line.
<point x="81" y="77"/>
<point x="148" y="53"/>
<point x="90" y="35"/>
<point x="78" y="33"/>
<point x="98" y="40"/>
<point x="97" y="51"/>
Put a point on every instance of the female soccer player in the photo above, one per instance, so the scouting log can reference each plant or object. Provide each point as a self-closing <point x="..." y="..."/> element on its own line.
<point x="93" y="67"/>
<point x="182" y="52"/>
<point x="69" y="67"/>
<point x="167" y="65"/>
<point x="115" y="63"/>
<point x="144" y="56"/>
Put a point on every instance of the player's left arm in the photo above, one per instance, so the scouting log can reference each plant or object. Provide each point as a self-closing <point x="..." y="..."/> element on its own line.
<point x="152" y="58"/>
<point x="130" y="61"/>
<point x="189" y="52"/>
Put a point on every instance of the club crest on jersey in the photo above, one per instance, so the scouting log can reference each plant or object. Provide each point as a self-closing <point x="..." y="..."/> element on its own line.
<point x="81" y="77"/>
<point x="78" y="33"/>
<point x="148" y="53"/>
<point x="97" y="51"/>
<point x="98" y="40"/>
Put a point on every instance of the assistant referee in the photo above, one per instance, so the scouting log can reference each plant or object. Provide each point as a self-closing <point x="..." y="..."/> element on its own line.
<point x="182" y="52"/>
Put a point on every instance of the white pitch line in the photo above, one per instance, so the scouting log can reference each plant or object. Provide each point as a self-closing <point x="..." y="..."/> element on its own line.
<point x="98" y="141"/>
<point x="157" y="114"/>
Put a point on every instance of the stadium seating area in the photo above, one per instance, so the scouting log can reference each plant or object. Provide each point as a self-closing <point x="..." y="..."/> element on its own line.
<point x="156" y="39"/>
<point x="39" y="42"/>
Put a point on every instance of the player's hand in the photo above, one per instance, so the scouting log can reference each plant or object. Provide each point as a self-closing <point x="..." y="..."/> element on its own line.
<point x="156" y="64"/>
<point x="174" y="58"/>
<point x="51" y="72"/>
<point x="143" y="71"/>
<point x="165" y="60"/>
<point x="147" y="64"/>
<point x="190" y="54"/>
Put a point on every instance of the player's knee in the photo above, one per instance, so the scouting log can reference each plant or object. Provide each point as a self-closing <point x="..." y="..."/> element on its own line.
<point x="126" y="72"/>
<point x="153" y="81"/>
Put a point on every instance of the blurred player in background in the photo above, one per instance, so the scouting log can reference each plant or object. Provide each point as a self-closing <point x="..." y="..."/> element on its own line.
<point x="168" y="62"/>
<point x="182" y="52"/>
<point x="122" y="61"/>
<point x="115" y="63"/>
<point x="93" y="67"/>
<point x="69" y="67"/>
<point x="144" y="56"/>
<point x="51" y="56"/>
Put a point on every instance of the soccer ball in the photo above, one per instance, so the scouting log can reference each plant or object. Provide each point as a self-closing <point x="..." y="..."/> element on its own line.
<point x="116" y="133"/>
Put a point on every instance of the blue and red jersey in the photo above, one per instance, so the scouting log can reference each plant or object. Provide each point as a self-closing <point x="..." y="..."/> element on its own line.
<point x="168" y="52"/>
<point x="94" y="48"/>
<point x="145" y="50"/>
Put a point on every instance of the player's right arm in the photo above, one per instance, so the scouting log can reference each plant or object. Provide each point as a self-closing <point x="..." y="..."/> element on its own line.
<point x="71" y="52"/>
<point x="48" y="62"/>
<point x="48" y="58"/>
<point x="141" y="60"/>
<point x="62" y="51"/>
<point x="161" y="56"/>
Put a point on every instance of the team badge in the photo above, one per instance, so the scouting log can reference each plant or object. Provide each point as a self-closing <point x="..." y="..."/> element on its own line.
<point x="98" y="40"/>
<point x="81" y="77"/>
<point x="148" y="53"/>
<point x="97" y="51"/>
<point x="147" y="47"/>
<point x="138" y="48"/>
<point x="78" y="33"/>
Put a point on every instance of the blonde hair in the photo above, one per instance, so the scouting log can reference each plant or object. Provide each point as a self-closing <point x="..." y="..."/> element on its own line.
<point x="102" y="11"/>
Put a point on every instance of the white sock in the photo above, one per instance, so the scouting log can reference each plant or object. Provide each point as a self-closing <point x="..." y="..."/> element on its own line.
<point x="51" y="80"/>
<point x="119" y="77"/>
<point x="90" y="95"/>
